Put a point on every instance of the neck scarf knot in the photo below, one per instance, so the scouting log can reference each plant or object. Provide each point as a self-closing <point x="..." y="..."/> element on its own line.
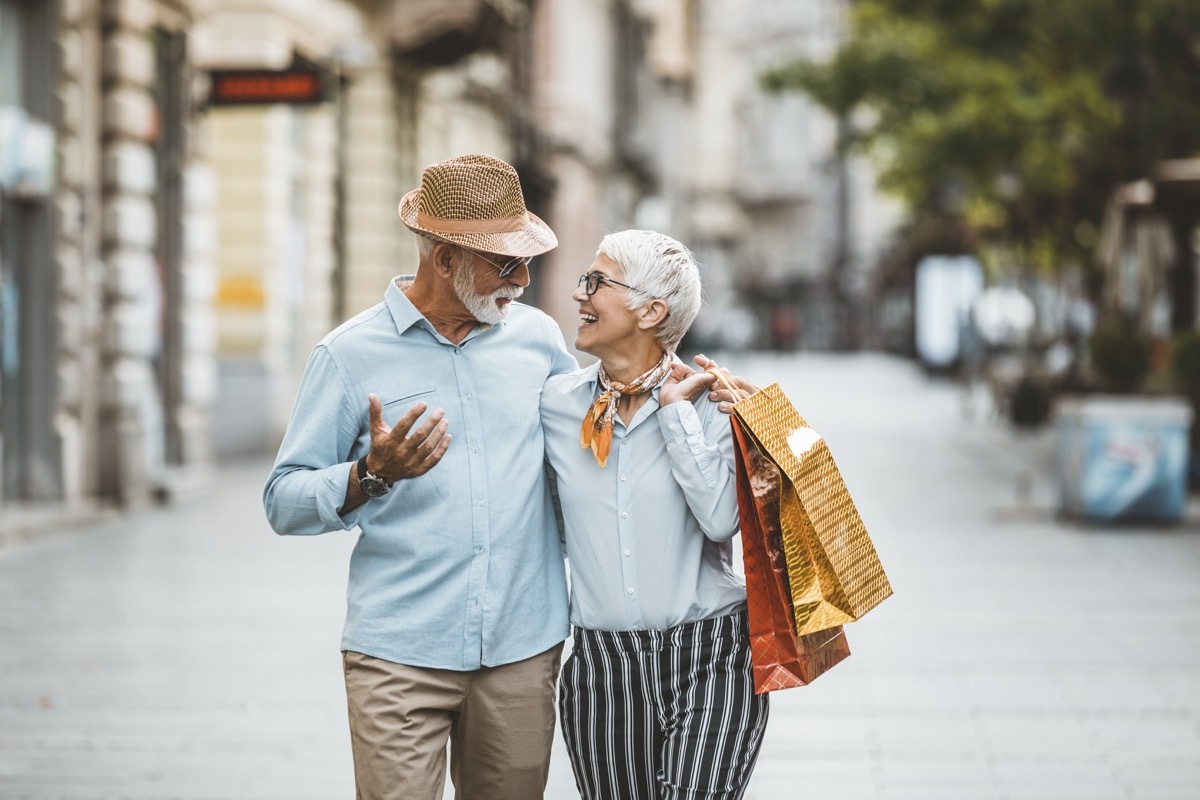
<point x="597" y="429"/>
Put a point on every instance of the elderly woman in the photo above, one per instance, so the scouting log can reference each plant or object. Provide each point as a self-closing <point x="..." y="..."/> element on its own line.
<point x="656" y="698"/>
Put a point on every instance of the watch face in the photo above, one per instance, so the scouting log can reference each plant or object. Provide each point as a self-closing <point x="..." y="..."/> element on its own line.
<point x="374" y="487"/>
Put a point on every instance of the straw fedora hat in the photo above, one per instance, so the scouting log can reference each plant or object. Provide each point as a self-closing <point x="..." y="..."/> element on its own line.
<point x="476" y="201"/>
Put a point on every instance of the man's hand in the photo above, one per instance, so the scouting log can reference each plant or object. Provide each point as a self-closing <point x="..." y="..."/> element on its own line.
<point x="400" y="451"/>
<point x="682" y="384"/>
<point x="722" y="396"/>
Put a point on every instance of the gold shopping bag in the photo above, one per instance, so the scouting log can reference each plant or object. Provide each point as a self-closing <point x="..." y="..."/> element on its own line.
<point x="833" y="569"/>
<point x="780" y="658"/>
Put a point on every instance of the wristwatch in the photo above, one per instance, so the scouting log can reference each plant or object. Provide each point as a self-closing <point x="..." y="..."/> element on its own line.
<point x="371" y="484"/>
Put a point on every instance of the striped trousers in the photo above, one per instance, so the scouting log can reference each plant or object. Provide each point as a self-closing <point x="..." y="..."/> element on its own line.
<point x="662" y="715"/>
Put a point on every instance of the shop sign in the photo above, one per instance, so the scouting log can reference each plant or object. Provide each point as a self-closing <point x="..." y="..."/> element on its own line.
<point x="261" y="86"/>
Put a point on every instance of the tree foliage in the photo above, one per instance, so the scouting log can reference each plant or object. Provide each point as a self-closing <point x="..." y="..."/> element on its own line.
<point x="1014" y="118"/>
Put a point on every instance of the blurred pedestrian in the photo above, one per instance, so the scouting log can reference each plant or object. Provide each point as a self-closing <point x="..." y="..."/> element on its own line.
<point x="972" y="361"/>
<point x="657" y="697"/>
<point x="784" y="327"/>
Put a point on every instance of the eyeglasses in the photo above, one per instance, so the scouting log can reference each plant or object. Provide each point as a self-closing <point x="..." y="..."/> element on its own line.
<point x="508" y="267"/>
<point x="590" y="281"/>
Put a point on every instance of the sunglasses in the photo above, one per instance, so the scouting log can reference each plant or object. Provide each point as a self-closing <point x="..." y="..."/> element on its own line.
<point x="590" y="281"/>
<point x="508" y="267"/>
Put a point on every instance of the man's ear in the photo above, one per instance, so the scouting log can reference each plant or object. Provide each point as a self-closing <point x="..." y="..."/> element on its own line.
<point x="652" y="313"/>
<point x="443" y="258"/>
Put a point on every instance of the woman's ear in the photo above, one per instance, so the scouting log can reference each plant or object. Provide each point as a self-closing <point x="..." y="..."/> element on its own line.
<point x="652" y="313"/>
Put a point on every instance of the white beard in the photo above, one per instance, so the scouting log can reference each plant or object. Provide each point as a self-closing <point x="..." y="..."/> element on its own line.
<point x="482" y="306"/>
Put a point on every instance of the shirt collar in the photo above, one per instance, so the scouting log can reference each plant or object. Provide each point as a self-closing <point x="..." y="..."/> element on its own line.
<point x="591" y="375"/>
<point x="406" y="315"/>
<point x="588" y="375"/>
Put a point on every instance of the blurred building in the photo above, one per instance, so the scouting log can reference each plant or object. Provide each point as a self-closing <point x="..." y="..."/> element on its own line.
<point x="794" y="228"/>
<point x="105" y="252"/>
<point x="279" y="156"/>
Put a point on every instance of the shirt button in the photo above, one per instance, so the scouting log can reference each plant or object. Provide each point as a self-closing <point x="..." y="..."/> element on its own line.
<point x="457" y="351"/>
<point x="631" y="590"/>
<point x="628" y="552"/>
<point x="624" y="515"/>
<point x="671" y="426"/>
<point x="479" y="551"/>
<point x="622" y="477"/>
<point x="468" y="397"/>
<point x="481" y="504"/>
<point x="474" y="449"/>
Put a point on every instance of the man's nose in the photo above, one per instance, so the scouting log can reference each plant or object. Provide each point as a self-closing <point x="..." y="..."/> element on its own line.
<point x="520" y="276"/>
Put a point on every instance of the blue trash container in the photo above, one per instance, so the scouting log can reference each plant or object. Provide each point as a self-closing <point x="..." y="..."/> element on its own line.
<point x="1123" y="458"/>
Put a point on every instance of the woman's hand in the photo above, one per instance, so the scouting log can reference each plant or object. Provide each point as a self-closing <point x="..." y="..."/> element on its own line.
<point x="683" y="384"/>
<point x="720" y="395"/>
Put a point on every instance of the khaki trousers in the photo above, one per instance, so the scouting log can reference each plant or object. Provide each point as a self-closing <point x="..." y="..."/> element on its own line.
<point x="499" y="722"/>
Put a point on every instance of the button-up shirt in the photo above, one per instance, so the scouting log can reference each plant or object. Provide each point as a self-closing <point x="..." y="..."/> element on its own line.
<point x="462" y="566"/>
<point x="648" y="536"/>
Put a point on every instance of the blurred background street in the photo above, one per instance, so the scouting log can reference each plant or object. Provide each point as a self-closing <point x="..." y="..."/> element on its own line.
<point x="965" y="237"/>
<point x="188" y="652"/>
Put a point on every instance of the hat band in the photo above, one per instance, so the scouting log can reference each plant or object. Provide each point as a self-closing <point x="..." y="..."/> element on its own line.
<point x="443" y="225"/>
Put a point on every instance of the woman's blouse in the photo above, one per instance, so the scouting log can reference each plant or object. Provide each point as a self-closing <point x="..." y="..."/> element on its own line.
<point x="648" y="537"/>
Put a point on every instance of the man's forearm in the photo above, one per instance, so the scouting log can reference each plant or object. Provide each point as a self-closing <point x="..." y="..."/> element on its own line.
<point x="355" y="496"/>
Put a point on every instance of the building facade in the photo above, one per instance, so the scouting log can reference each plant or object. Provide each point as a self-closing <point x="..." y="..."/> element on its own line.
<point x="105" y="253"/>
<point x="277" y="159"/>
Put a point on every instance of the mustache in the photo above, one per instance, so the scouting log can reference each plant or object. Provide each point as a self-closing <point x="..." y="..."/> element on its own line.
<point x="509" y="292"/>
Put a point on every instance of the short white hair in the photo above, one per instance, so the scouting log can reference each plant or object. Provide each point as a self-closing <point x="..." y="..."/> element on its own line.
<point x="659" y="267"/>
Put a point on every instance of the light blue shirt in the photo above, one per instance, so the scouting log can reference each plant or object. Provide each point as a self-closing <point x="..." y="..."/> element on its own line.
<point x="648" y="536"/>
<point x="461" y="567"/>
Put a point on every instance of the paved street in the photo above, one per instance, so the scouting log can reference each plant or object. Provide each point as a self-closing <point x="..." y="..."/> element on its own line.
<point x="188" y="652"/>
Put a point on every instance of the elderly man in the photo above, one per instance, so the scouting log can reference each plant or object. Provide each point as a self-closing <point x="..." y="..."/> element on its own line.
<point x="457" y="604"/>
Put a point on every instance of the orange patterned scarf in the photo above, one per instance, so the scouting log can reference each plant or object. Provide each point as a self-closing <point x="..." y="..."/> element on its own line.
<point x="597" y="429"/>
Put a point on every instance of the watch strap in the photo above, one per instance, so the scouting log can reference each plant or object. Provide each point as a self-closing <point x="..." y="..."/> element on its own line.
<point x="362" y="472"/>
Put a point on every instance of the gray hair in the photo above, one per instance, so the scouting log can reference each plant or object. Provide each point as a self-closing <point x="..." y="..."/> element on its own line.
<point x="660" y="267"/>
<point x="425" y="245"/>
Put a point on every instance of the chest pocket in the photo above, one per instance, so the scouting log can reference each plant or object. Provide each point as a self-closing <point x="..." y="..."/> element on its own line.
<point x="396" y="407"/>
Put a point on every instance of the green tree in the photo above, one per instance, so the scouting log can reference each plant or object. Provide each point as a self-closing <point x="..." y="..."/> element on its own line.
<point x="1012" y="119"/>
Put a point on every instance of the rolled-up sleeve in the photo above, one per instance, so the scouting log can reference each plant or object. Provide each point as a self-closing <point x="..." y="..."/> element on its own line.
<point x="701" y="454"/>
<point x="307" y="487"/>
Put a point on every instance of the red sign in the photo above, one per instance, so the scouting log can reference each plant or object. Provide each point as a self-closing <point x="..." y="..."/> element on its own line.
<point x="249" y="87"/>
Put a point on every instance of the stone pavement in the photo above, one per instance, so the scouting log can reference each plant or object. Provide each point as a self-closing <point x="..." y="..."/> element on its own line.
<point x="188" y="652"/>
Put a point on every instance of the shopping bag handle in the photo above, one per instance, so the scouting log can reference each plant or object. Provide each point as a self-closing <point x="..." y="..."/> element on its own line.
<point x="719" y="373"/>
